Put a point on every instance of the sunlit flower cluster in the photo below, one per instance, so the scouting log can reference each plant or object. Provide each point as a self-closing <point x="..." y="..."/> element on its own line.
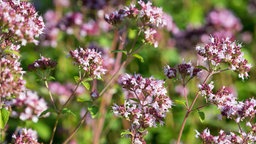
<point x="150" y="16"/>
<point x="28" y="106"/>
<point x="222" y="138"/>
<point x="42" y="64"/>
<point x="146" y="103"/>
<point x="224" y="51"/>
<point x="11" y="78"/>
<point x="20" y="22"/>
<point x="90" y="61"/>
<point x="25" y="136"/>
<point x="228" y="104"/>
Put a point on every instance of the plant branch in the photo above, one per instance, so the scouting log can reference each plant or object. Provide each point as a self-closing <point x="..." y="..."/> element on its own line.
<point x="190" y="109"/>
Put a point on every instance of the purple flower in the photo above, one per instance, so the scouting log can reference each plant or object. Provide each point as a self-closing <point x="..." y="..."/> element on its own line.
<point x="169" y="72"/>
<point x="42" y="63"/>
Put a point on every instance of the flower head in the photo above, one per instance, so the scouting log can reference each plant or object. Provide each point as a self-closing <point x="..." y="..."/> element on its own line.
<point x="28" y="106"/>
<point x="146" y="102"/>
<point x="42" y="63"/>
<point x="20" y="21"/>
<point x="11" y="78"/>
<point x="24" y="135"/>
<point x="90" y="61"/>
<point x="224" y="51"/>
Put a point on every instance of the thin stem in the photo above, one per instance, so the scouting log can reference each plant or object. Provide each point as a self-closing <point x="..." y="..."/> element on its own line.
<point x="113" y="78"/>
<point x="185" y="95"/>
<point x="63" y="106"/>
<point x="77" y="128"/>
<point x="54" y="128"/>
<point x="50" y="94"/>
<point x="190" y="109"/>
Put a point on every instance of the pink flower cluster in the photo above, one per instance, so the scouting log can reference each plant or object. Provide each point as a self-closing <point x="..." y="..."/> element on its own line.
<point x="146" y="103"/>
<point x="149" y="15"/>
<point x="222" y="138"/>
<point x="11" y="78"/>
<point x="224" y="51"/>
<point x="90" y="61"/>
<point x="20" y="21"/>
<point x="224" y="21"/>
<point x="25" y="136"/>
<point x="72" y="23"/>
<point x="42" y="63"/>
<point x="28" y="106"/>
<point x="228" y="104"/>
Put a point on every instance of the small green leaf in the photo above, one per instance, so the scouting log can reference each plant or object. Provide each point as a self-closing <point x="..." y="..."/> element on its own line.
<point x="8" y="51"/>
<point x="88" y="79"/>
<point x="68" y="111"/>
<point x="123" y="51"/>
<point x="181" y="102"/>
<point x="202" y="67"/>
<point x="86" y="85"/>
<point x="77" y="79"/>
<point x="4" y="117"/>
<point x="201" y="116"/>
<point x="93" y="110"/>
<point x="126" y="132"/>
<point x="51" y="78"/>
<point x="132" y="33"/>
<point x="50" y="110"/>
<point x="138" y="57"/>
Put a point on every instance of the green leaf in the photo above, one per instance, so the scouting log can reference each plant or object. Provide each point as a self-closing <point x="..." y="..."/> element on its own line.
<point x="77" y="79"/>
<point x="202" y="67"/>
<point x="181" y="102"/>
<point x="88" y="79"/>
<point x="138" y="57"/>
<point x="132" y="33"/>
<point x="123" y="51"/>
<point x="126" y="132"/>
<point x="4" y="117"/>
<point x="201" y="116"/>
<point x="86" y="85"/>
<point x="93" y="110"/>
<point x="50" y="110"/>
<point x="8" y="51"/>
<point x="68" y="111"/>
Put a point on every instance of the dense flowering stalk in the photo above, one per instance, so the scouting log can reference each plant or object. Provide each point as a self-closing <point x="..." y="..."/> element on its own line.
<point x="90" y="61"/>
<point x="151" y="18"/>
<point x="19" y="22"/>
<point x="28" y="106"/>
<point x="221" y="50"/>
<point x="146" y="104"/>
<point x="25" y="136"/>
<point x="11" y="78"/>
